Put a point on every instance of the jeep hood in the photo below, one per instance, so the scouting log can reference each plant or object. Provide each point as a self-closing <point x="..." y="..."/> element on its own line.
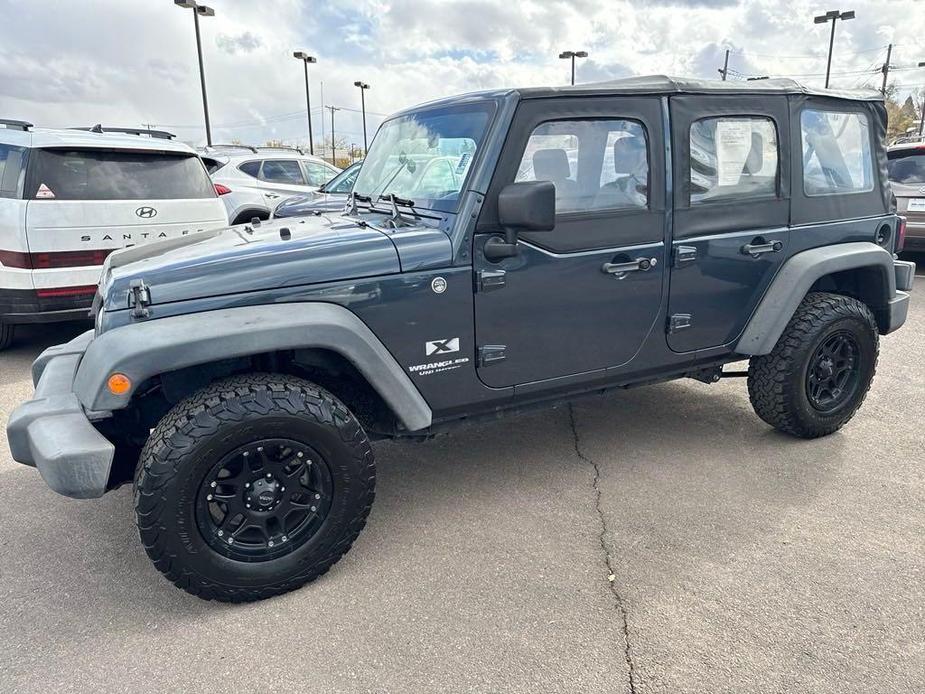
<point x="250" y="258"/>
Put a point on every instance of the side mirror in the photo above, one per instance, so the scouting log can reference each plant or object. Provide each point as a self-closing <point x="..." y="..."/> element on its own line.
<point x="526" y="206"/>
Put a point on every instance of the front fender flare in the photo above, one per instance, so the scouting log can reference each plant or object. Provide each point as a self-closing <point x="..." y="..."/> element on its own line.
<point x="797" y="276"/>
<point x="146" y="349"/>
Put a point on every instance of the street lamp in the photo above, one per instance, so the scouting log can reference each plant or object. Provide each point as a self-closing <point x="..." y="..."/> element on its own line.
<point x="205" y="12"/>
<point x="306" y="59"/>
<point x="565" y="55"/>
<point x="363" y="87"/>
<point x="833" y="16"/>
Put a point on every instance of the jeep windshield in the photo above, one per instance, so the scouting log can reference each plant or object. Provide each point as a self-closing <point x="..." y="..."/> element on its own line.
<point x="425" y="156"/>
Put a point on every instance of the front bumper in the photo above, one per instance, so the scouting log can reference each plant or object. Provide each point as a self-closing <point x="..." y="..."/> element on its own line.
<point x="52" y="432"/>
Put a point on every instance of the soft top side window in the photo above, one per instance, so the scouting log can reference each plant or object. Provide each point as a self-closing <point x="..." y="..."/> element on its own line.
<point x="600" y="164"/>
<point x="733" y="157"/>
<point x="837" y="156"/>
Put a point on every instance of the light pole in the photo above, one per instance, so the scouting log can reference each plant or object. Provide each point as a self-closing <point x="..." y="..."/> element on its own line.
<point x="333" y="142"/>
<point x="363" y="87"/>
<point x="205" y="12"/>
<point x="565" y="55"/>
<point x="724" y="71"/>
<point x="306" y="59"/>
<point x="833" y="16"/>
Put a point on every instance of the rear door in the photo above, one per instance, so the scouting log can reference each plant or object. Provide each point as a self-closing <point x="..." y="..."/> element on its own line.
<point x="281" y="178"/>
<point x="731" y="216"/>
<point x="83" y="203"/>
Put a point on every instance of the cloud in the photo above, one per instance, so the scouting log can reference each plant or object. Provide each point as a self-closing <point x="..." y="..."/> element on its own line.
<point x="243" y="43"/>
<point x="128" y="63"/>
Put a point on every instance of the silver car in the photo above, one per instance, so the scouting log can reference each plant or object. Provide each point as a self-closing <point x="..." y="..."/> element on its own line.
<point x="252" y="181"/>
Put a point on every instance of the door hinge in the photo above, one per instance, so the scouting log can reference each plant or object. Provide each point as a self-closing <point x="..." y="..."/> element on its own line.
<point x="491" y="354"/>
<point x="679" y="321"/>
<point x="486" y="280"/>
<point x="684" y="254"/>
<point x="139" y="298"/>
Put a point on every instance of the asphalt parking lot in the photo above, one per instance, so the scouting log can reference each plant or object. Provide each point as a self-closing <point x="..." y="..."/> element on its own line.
<point x="742" y="560"/>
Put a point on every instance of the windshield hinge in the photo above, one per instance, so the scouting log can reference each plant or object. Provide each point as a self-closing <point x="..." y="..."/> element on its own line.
<point x="491" y="354"/>
<point x="139" y="299"/>
<point x="486" y="280"/>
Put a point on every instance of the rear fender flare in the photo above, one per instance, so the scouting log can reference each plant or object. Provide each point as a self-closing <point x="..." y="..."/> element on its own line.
<point x="794" y="280"/>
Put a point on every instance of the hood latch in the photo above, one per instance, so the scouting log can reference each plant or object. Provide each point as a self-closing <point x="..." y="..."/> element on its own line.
<point x="139" y="298"/>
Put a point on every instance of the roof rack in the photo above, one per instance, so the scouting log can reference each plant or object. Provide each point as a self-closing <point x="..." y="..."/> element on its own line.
<point x="282" y="148"/>
<point x="16" y="124"/>
<point x="249" y="148"/>
<point x="157" y="134"/>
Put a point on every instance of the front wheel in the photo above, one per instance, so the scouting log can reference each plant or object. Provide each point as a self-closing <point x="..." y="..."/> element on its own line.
<point x="252" y="487"/>
<point x="820" y="370"/>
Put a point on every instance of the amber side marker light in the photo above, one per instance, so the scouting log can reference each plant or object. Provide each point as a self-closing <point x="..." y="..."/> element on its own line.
<point x="119" y="384"/>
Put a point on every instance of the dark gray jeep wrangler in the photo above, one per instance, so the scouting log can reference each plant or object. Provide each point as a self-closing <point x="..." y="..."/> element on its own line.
<point x="500" y="250"/>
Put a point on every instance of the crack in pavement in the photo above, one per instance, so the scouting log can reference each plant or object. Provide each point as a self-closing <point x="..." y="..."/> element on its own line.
<point x="608" y="558"/>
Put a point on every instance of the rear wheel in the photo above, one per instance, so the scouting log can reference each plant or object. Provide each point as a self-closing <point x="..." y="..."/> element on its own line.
<point x="6" y="335"/>
<point x="253" y="487"/>
<point x="821" y="368"/>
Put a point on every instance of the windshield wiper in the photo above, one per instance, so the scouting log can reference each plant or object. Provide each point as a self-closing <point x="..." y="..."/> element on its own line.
<point x="404" y="202"/>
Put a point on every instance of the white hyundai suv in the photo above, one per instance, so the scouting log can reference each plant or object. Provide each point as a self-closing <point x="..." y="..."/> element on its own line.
<point x="252" y="181"/>
<point x="68" y="198"/>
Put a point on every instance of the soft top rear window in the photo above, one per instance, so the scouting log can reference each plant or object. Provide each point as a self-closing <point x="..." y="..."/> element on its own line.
<point x="100" y="174"/>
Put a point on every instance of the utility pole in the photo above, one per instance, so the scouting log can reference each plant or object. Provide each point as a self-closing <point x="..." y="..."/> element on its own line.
<point x="333" y="142"/>
<point x="886" y="68"/>
<point x="725" y="69"/>
<point x="832" y="16"/>
<point x="323" y="136"/>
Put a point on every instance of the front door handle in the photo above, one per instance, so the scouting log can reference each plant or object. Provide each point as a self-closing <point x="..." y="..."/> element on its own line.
<point x="620" y="269"/>
<point x="759" y="247"/>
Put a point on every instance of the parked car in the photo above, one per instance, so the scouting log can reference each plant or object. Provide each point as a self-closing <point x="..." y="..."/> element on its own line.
<point x="68" y="198"/>
<point x="906" y="166"/>
<point x="252" y="181"/>
<point x="329" y="197"/>
<point x="240" y="378"/>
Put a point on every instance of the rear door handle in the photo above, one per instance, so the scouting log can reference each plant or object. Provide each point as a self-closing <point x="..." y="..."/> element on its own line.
<point x="759" y="247"/>
<point x="620" y="269"/>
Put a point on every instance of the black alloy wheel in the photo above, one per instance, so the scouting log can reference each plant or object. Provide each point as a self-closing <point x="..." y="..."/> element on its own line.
<point x="264" y="499"/>
<point x="832" y="375"/>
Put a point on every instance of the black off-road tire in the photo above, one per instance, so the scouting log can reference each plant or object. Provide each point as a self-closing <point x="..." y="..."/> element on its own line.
<point x="199" y="431"/>
<point x="777" y="381"/>
<point x="6" y="335"/>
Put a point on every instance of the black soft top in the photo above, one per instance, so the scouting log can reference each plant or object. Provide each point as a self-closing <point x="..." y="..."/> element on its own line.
<point x="662" y="84"/>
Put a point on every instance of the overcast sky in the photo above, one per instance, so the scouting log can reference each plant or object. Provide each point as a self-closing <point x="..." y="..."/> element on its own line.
<point x="128" y="62"/>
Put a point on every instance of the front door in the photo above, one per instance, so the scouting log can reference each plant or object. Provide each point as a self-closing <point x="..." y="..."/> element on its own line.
<point x="584" y="296"/>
